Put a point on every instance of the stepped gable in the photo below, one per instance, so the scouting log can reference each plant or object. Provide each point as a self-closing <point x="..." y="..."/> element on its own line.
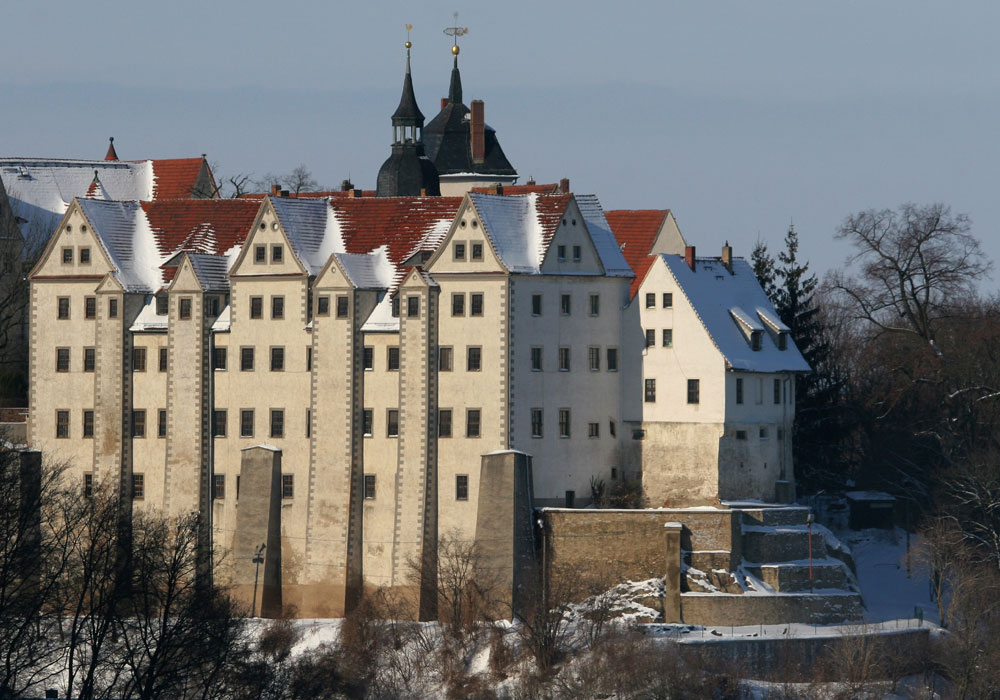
<point x="636" y="230"/>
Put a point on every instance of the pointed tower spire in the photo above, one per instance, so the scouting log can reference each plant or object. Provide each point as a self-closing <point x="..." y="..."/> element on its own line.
<point x="407" y="114"/>
<point x="111" y="155"/>
<point x="455" y="89"/>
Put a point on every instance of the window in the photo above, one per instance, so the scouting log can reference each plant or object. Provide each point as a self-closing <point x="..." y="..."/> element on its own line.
<point x="277" y="253"/>
<point x="246" y="359"/>
<point x="277" y="359"/>
<point x="614" y="473"/>
<point x="461" y="487"/>
<point x="612" y="429"/>
<point x="213" y="304"/>
<point x="444" y="422"/>
<point x="323" y="305"/>
<point x="162" y="304"/>
<point x="63" y="303"/>
<point x="650" y="391"/>
<point x="277" y="307"/>
<point x="62" y="359"/>
<point x="219" y="359"/>
<point x="782" y="341"/>
<point x="309" y="359"/>
<point x="256" y="307"/>
<point x="88" y="485"/>
<point x="219" y="486"/>
<point x="741" y="435"/>
<point x="185" y="308"/>
<point x="570" y="498"/>
<point x="84" y="256"/>
<point x="459" y="251"/>
<point x="650" y="301"/>
<point x="777" y="391"/>
<point x="474" y="359"/>
<point x="457" y="304"/>
<point x="369" y="487"/>
<point x="475" y="304"/>
<point x="472" y="418"/>
<point x="88" y="424"/>
<point x="536" y="359"/>
<point x="394" y="307"/>
<point x="762" y="433"/>
<point x="612" y="359"/>
<point x="564" y="422"/>
<point x="412" y="306"/>
<point x="668" y="337"/>
<point x="739" y="390"/>
<point x="668" y="300"/>
<point x="694" y="391"/>
<point x="392" y="358"/>
<point x="595" y="304"/>
<point x="219" y="421"/>
<point x="536" y="423"/>
<point x="112" y="309"/>
<point x="392" y="422"/>
<point x="163" y="360"/>
<point x="594" y="355"/>
<point x="536" y="304"/>
<point x="287" y="486"/>
<point x="161" y="423"/>
<point x="139" y="423"/>
<point x="368" y="357"/>
<point x="138" y="359"/>
<point x="650" y="337"/>
<point x="445" y="360"/>
<point x="67" y="256"/>
<point x="366" y="422"/>
<point x="576" y="253"/>
<point x="246" y="422"/>
<point x="260" y="254"/>
<point x="564" y="359"/>
<point x="593" y="430"/>
<point x="138" y="487"/>
<point x="755" y="341"/>
<point x="477" y="251"/>
<point x="90" y="307"/>
<point x="561" y="253"/>
<point x="62" y="424"/>
<point x="565" y="304"/>
<point x="277" y="422"/>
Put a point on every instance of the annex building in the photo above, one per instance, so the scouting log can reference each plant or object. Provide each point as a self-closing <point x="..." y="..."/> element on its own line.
<point x="349" y="378"/>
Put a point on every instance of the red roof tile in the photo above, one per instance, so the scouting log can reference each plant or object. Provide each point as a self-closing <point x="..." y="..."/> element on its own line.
<point x="310" y="195"/>
<point x="519" y="189"/>
<point x="111" y="154"/>
<point x="176" y="178"/>
<point x="636" y="230"/>
<point x="550" y="209"/>
<point x="201" y="225"/>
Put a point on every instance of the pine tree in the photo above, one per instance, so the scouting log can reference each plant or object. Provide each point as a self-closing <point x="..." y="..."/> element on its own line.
<point x="763" y="268"/>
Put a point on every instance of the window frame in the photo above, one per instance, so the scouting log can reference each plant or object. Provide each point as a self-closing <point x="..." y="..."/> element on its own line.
<point x="248" y="422"/>
<point x="256" y="308"/>
<point x="473" y="358"/>
<point x="476" y="300"/>
<point x="565" y="358"/>
<point x="277" y="423"/>
<point x="392" y="422"/>
<point x="392" y="358"/>
<point x="63" y="363"/>
<point x="287" y="487"/>
<point x="247" y="358"/>
<point x="473" y="428"/>
<point x="693" y="392"/>
<point x="62" y="424"/>
<point x="668" y="300"/>
<point x="90" y="308"/>
<point x="277" y="358"/>
<point x="461" y="487"/>
<point x="565" y="423"/>
<point x="650" y="300"/>
<point x="611" y="357"/>
<point x="367" y="422"/>
<point x="161" y="423"/>
<point x="185" y="309"/>
<point x="537" y="358"/>
<point x="537" y="423"/>
<point x="594" y="358"/>
<point x="277" y="307"/>
<point x="457" y="304"/>
<point x="370" y="484"/>
<point x="220" y="419"/>
<point x="220" y="358"/>
<point x="565" y="304"/>
<point x="88" y="424"/>
<point x="323" y="305"/>
<point x="649" y="390"/>
<point x="595" y="304"/>
<point x="668" y="337"/>
<point x="138" y="425"/>
<point x="536" y="304"/>
<point x="343" y="306"/>
<point x="446" y="358"/>
<point x="63" y="312"/>
<point x="139" y="359"/>
<point x="138" y="486"/>
<point x="442" y="422"/>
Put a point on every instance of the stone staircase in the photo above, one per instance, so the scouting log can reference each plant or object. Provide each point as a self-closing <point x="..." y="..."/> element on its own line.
<point x="769" y="569"/>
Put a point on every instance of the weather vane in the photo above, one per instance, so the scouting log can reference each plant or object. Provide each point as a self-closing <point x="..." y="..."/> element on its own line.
<point x="456" y="32"/>
<point x="408" y="44"/>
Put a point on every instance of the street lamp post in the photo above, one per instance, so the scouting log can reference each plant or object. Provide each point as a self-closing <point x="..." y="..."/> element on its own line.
<point x="258" y="559"/>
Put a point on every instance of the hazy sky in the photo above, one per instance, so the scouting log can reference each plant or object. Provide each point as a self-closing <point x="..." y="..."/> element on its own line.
<point x="737" y="116"/>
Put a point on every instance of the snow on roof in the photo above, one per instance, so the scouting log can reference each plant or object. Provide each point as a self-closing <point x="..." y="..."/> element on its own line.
<point x="306" y="223"/>
<point x="148" y="319"/>
<point x="368" y="270"/>
<point x="604" y="240"/>
<point x="222" y="323"/>
<point x="512" y="226"/>
<point x="771" y="319"/>
<point x="128" y="240"/>
<point x="746" y="319"/>
<point x="381" y="319"/>
<point x="713" y="292"/>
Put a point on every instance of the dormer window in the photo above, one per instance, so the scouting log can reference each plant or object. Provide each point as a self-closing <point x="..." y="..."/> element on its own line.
<point x="782" y="341"/>
<point x="755" y="340"/>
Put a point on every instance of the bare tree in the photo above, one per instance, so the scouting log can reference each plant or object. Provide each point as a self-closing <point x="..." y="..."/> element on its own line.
<point x="916" y="264"/>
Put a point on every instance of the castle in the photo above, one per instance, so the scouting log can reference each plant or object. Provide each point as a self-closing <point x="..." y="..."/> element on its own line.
<point x="342" y="377"/>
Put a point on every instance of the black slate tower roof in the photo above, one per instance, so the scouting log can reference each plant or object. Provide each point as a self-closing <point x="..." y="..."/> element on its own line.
<point x="448" y="138"/>
<point x="407" y="172"/>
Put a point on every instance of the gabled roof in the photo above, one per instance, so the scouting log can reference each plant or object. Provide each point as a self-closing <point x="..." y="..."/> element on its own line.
<point x="611" y="256"/>
<point x="177" y="178"/>
<point x="636" y="231"/>
<point x="210" y="271"/>
<point x="714" y="293"/>
<point x="367" y="270"/>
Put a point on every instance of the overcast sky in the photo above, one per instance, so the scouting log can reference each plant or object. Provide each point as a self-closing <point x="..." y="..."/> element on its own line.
<point x="738" y="116"/>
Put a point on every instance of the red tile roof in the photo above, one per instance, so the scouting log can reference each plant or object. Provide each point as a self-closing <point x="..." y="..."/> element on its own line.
<point x="111" y="154"/>
<point x="406" y="225"/>
<point x="636" y="230"/>
<point x="550" y="209"/>
<point x="310" y="195"/>
<point x="519" y="189"/>
<point x="201" y="225"/>
<point x="176" y="178"/>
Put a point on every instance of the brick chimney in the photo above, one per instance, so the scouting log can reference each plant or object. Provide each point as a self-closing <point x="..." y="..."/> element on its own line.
<point x="689" y="256"/>
<point x="564" y="185"/>
<point x="531" y="181"/>
<point x="727" y="257"/>
<point x="477" y="128"/>
<point x="283" y="193"/>
<point x="444" y="102"/>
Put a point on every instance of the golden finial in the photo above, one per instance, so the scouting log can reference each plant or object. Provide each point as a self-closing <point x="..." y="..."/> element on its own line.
<point x="408" y="44"/>
<point x="456" y="32"/>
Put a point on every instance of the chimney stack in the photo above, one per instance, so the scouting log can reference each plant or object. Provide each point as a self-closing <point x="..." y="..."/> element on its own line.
<point x="284" y="194"/>
<point x="477" y="128"/>
<point x="444" y="102"/>
<point x="275" y="190"/>
<point x="564" y="185"/>
<point x="346" y="186"/>
<point x="689" y="256"/>
<point x="727" y="257"/>
<point x="531" y="181"/>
